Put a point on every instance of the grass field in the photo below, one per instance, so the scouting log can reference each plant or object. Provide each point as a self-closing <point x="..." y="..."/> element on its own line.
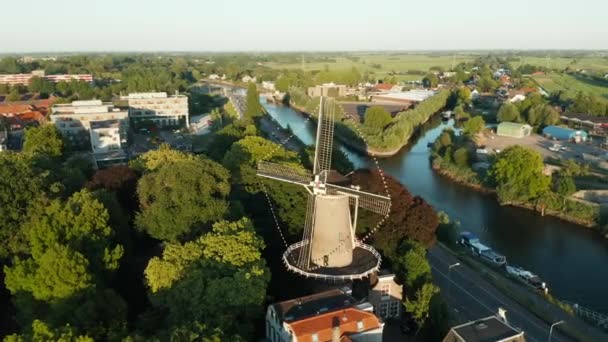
<point x="587" y="63"/>
<point x="387" y="63"/>
<point x="572" y="84"/>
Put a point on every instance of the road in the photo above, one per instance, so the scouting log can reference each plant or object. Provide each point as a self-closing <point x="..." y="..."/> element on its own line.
<point x="471" y="297"/>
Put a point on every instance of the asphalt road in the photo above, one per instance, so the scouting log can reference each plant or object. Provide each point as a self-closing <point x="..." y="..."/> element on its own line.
<point x="471" y="297"/>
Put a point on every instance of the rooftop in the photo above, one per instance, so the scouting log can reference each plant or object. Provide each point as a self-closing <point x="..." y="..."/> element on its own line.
<point x="312" y="305"/>
<point x="350" y="320"/>
<point x="157" y="95"/>
<point x="105" y="124"/>
<point x="488" y="329"/>
<point x="412" y="95"/>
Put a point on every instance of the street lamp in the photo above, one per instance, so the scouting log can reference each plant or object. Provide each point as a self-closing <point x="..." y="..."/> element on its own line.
<point x="551" y="329"/>
<point x="450" y="276"/>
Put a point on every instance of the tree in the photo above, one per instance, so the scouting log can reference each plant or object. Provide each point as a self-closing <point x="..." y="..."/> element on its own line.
<point x="474" y="126"/>
<point x="564" y="185"/>
<point x="462" y="157"/>
<point x="508" y="112"/>
<point x="41" y="331"/>
<point x="447" y="231"/>
<point x="464" y="95"/>
<point x="181" y="196"/>
<point x="411" y="266"/>
<point x="418" y="306"/>
<point x="13" y="96"/>
<point x="43" y="140"/>
<point x="430" y="80"/>
<point x="20" y="184"/>
<point x="487" y="83"/>
<point x="254" y="108"/>
<point x="518" y="174"/>
<point x="219" y="278"/>
<point x="377" y="118"/>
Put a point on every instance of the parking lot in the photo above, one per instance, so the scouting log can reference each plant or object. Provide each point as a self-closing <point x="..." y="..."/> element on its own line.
<point x="541" y="144"/>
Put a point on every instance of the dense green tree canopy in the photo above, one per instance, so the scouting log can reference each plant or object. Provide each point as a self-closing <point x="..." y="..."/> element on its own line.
<point x="70" y="247"/>
<point x="45" y="140"/>
<point x="253" y="107"/>
<point x="377" y="118"/>
<point x="419" y="304"/>
<point x="19" y="185"/>
<point x="220" y="278"/>
<point x="474" y="125"/>
<point x="508" y="112"/>
<point x="518" y="174"/>
<point x="40" y="331"/>
<point x="181" y="195"/>
<point x="430" y="80"/>
<point x="411" y="266"/>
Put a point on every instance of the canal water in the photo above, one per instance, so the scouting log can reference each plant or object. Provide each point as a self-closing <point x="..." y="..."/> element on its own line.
<point x="571" y="259"/>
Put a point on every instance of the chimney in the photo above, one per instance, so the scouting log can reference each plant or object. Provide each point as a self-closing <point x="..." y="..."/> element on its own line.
<point x="335" y="329"/>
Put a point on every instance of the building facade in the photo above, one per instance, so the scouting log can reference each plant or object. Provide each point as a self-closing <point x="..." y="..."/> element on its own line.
<point x="74" y="120"/>
<point x="493" y="328"/>
<point x="327" y="316"/>
<point x="161" y="109"/>
<point x="327" y="89"/>
<point x="24" y="79"/>
<point x="385" y="296"/>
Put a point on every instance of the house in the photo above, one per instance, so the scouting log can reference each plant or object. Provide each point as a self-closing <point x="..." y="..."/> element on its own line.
<point x="247" y="79"/>
<point x="267" y="85"/>
<point x="563" y="133"/>
<point x="327" y="89"/>
<point x="489" y="329"/>
<point x="326" y="316"/>
<point x="538" y="73"/>
<point x="513" y="130"/>
<point x="505" y="79"/>
<point x="214" y="77"/>
<point x="516" y="96"/>
<point x="385" y="295"/>
<point x="474" y="94"/>
<point x="383" y="87"/>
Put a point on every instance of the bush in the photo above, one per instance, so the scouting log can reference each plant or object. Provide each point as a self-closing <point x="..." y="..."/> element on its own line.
<point x="462" y="157"/>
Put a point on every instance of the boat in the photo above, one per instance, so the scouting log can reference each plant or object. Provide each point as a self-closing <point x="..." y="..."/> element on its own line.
<point x="527" y="277"/>
<point x="446" y="115"/>
<point x="485" y="253"/>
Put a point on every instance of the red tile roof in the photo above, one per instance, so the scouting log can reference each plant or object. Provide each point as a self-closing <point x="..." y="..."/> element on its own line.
<point x="384" y="86"/>
<point x="322" y="325"/>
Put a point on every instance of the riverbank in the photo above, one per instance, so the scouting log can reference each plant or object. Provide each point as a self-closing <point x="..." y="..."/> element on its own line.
<point x="357" y="147"/>
<point x="456" y="177"/>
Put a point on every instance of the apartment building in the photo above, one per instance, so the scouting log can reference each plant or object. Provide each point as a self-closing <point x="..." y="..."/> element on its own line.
<point x="160" y="108"/>
<point x="24" y="79"/>
<point x="74" y="120"/>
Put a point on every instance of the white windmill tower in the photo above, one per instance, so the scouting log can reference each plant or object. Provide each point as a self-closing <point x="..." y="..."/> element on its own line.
<point x="329" y="248"/>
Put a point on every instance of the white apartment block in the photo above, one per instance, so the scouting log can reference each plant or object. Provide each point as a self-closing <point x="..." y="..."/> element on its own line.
<point x="159" y="108"/>
<point x="106" y="136"/>
<point x="74" y="119"/>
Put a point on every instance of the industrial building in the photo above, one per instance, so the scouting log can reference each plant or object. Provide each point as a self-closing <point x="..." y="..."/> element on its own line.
<point x="513" y="130"/>
<point x="159" y="108"/>
<point x="407" y="97"/>
<point x="327" y="89"/>
<point x="564" y="133"/>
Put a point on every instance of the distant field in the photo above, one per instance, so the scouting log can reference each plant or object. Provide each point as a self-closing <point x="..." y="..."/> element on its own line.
<point x="572" y="85"/>
<point x="588" y="63"/>
<point x="387" y="63"/>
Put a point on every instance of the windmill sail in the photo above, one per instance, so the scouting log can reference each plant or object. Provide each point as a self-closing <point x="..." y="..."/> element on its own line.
<point x="324" y="141"/>
<point x="372" y="202"/>
<point x="284" y="173"/>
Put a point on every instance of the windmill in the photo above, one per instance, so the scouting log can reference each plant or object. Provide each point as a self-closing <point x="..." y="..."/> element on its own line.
<point x="329" y="248"/>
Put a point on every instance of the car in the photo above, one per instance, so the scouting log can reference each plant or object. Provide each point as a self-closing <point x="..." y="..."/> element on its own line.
<point x="555" y="148"/>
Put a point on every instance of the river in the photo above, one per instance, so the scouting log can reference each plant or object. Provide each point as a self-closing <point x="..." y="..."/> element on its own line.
<point x="572" y="260"/>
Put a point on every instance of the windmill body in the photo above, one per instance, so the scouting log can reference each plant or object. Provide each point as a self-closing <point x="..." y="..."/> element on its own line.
<point x="329" y="248"/>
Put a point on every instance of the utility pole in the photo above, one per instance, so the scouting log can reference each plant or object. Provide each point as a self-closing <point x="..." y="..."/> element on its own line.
<point x="551" y="329"/>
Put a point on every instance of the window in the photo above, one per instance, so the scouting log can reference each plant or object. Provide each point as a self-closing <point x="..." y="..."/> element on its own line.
<point x="385" y="290"/>
<point x="394" y="309"/>
<point x="315" y="337"/>
<point x="383" y="310"/>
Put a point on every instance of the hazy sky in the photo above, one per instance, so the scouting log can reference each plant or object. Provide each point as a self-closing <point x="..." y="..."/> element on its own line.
<point x="248" y="25"/>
